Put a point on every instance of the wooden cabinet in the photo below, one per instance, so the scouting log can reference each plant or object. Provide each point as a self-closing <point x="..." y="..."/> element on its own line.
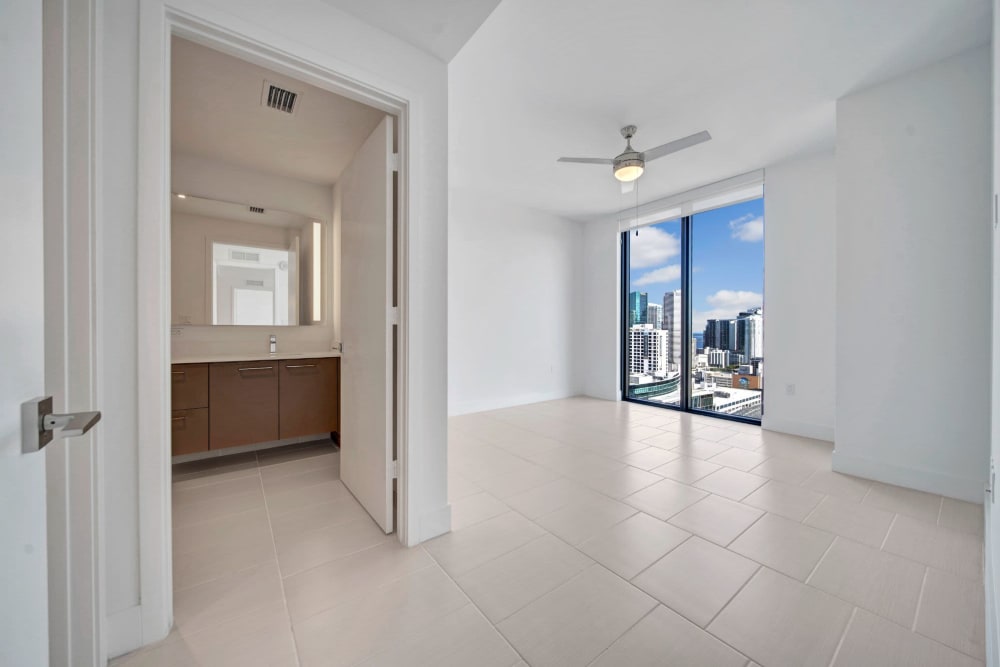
<point x="243" y="399"/>
<point x="219" y="405"/>
<point x="189" y="408"/>
<point x="308" y="396"/>
<point x="189" y="386"/>
<point x="190" y="431"/>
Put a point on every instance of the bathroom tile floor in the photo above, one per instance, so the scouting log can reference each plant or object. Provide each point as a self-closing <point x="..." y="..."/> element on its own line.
<point x="586" y="532"/>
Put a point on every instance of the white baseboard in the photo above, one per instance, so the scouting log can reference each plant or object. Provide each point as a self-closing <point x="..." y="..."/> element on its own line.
<point x="792" y="427"/>
<point x="931" y="481"/>
<point x="434" y="523"/>
<point x="484" y="404"/>
<point x="124" y="631"/>
<point x="992" y="624"/>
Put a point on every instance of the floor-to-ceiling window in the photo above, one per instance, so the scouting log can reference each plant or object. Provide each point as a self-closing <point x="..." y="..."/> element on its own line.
<point x="693" y="315"/>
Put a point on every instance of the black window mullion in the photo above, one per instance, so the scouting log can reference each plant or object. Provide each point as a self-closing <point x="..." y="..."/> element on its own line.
<point x="686" y="369"/>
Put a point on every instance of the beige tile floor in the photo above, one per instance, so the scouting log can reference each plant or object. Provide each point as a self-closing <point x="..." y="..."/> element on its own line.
<point x="585" y="532"/>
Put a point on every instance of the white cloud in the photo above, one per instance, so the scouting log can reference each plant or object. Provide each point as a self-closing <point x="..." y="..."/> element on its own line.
<point x="749" y="228"/>
<point x="653" y="246"/>
<point x="725" y="305"/>
<point x="665" y="274"/>
<point x="734" y="299"/>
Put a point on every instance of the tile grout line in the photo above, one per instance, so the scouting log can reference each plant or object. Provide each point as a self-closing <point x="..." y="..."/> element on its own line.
<point x="920" y="599"/>
<point x="843" y="636"/>
<point x="888" y="532"/>
<point x="732" y="597"/>
<point x="813" y="510"/>
<point x="281" y="578"/>
<point x="478" y="609"/>
<point x="627" y="630"/>
<point x="820" y="561"/>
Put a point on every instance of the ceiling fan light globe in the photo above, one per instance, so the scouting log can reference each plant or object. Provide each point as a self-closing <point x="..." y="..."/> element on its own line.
<point x="628" y="171"/>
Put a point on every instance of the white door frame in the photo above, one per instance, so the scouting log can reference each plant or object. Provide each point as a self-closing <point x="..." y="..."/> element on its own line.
<point x="73" y="342"/>
<point x="158" y="20"/>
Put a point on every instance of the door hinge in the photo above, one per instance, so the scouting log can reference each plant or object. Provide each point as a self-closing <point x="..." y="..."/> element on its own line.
<point x="992" y="482"/>
<point x="394" y="315"/>
<point x="394" y="161"/>
<point x="394" y="468"/>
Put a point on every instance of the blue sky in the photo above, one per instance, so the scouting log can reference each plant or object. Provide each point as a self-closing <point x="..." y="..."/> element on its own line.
<point x="727" y="261"/>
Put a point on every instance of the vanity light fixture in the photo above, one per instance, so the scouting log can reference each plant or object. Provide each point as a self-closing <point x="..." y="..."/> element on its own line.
<point x="317" y="271"/>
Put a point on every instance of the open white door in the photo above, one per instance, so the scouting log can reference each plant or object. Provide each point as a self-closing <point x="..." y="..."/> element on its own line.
<point x="24" y="622"/>
<point x="366" y="315"/>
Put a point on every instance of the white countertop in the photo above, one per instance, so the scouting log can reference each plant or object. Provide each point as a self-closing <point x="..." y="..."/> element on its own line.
<point x="250" y="356"/>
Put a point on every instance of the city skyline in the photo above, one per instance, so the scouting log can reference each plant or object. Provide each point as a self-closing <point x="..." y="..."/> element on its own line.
<point x="727" y="259"/>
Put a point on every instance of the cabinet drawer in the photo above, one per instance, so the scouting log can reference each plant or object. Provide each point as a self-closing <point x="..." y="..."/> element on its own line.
<point x="309" y="396"/>
<point x="190" y="431"/>
<point x="244" y="400"/>
<point x="189" y="386"/>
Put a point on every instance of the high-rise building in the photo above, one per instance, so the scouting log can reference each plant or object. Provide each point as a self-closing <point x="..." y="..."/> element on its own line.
<point x="711" y="336"/>
<point x="750" y="333"/>
<point x="647" y="350"/>
<point x="654" y="315"/>
<point x="753" y="347"/>
<point x="672" y="323"/>
<point x="637" y="302"/>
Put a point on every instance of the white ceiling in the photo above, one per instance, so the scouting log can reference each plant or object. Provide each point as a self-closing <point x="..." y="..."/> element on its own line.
<point x="541" y="80"/>
<point x="439" y="27"/>
<point x="216" y="112"/>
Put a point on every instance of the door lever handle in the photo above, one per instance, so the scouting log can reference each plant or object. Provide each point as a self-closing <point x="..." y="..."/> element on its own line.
<point x="39" y="425"/>
<point x="72" y="424"/>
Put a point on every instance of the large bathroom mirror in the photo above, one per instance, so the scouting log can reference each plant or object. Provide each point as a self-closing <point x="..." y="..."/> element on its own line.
<point x="234" y="264"/>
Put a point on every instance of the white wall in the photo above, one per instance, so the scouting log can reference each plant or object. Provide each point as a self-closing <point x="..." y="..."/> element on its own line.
<point x="913" y="283"/>
<point x="799" y="296"/>
<point x="601" y="355"/>
<point x="514" y="298"/>
<point x="213" y="179"/>
<point x="992" y="516"/>
<point x="319" y="33"/>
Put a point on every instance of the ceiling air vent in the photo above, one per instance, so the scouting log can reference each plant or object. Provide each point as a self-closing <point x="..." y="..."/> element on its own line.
<point x="279" y="98"/>
<point x="255" y="283"/>
<point x="244" y="256"/>
<point x="256" y="209"/>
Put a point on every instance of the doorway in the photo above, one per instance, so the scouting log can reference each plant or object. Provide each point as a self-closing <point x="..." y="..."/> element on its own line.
<point x="154" y="399"/>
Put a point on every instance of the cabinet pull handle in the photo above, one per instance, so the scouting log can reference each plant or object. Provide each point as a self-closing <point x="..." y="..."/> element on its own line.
<point x="256" y="368"/>
<point x="301" y="366"/>
<point x="177" y="372"/>
<point x="178" y="418"/>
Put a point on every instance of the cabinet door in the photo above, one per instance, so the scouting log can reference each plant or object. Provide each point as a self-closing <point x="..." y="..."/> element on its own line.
<point x="244" y="400"/>
<point x="189" y="386"/>
<point x="310" y="396"/>
<point x="190" y="431"/>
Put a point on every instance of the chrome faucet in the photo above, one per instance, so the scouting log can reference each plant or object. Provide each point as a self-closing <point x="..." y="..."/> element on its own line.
<point x="274" y="344"/>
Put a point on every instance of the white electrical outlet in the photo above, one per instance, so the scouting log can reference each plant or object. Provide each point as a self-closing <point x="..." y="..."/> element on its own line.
<point x="790" y="389"/>
<point x="175" y="331"/>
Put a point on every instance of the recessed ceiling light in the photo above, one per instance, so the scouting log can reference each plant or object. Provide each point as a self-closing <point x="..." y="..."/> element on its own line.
<point x="180" y="196"/>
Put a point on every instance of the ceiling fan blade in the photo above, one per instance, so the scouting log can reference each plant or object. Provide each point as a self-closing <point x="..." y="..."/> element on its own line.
<point x="676" y="145"/>
<point x="587" y="160"/>
<point x="627" y="187"/>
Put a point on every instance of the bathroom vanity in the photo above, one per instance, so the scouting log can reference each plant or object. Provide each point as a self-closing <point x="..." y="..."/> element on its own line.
<point x="224" y="401"/>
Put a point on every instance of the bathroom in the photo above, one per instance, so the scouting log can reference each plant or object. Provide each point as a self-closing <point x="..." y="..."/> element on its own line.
<point x="283" y="246"/>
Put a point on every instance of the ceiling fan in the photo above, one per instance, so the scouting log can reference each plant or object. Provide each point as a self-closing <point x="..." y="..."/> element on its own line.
<point x="630" y="164"/>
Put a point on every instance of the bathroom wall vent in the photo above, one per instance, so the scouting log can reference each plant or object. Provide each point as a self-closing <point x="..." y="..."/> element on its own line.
<point x="255" y="283"/>
<point x="281" y="99"/>
<point x="256" y="209"/>
<point x="244" y="256"/>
